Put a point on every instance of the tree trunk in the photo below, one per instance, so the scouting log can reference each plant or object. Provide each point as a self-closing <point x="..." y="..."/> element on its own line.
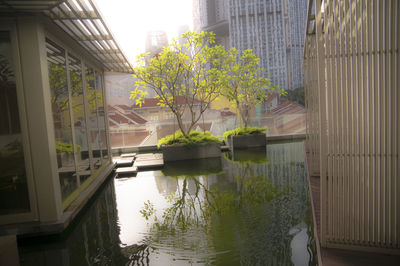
<point x="180" y="124"/>
<point x="242" y="117"/>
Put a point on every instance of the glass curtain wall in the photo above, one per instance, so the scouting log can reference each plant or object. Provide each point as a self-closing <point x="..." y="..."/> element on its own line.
<point x="93" y="121"/>
<point x="14" y="196"/>
<point x="78" y="110"/>
<point x="133" y="125"/>
<point x="56" y="59"/>
<point x="101" y="116"/>
<point x="77" y="105"/>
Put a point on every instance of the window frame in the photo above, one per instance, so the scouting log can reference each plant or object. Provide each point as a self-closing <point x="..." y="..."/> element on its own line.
<point x="85" y="63"/>
<point x="32" y="214"/>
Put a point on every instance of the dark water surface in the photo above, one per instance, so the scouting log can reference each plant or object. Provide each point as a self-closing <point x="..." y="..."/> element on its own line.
<point x="247" y="208"/>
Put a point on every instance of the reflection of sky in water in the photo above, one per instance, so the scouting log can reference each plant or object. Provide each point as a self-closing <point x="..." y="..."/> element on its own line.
<point x="279" y="232"/>
<point x="298" y="245"/>
<point x="130" y="195"/>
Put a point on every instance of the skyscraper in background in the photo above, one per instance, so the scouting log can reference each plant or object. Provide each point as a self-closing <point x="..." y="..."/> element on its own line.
<point x="212" y="15"/>
<point x="155" y="41"/>
<point x="273" y="29"/>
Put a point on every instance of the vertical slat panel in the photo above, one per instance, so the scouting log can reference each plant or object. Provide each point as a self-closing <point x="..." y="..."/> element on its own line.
<point x="337" y="121"/>
<point x="342" y="135"/>
<point x="351" y="118"/>
<point x="331" y="166"/>
<point x="371" y="125"/>
<point x="396" y="163"/>
<point x="345" y="99"/>
<point x="386" y="130"/>
<point x="356" y="123"/>
<point x="381" y="104"/>
<point x="348" y="105"/>
<point x="321" y="85"/>
<point x="356" y="142"/>
<point x="377" y="93"/>
<point x="359" y="125"/>
<point x="389" y="128"/>
<point x="365" y="99"/>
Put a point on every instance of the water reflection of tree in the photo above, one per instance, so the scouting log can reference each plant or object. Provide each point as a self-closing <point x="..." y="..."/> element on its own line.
<point x="251" y="217"/>
<point x="269" y="228"/>
<point x="92" y="240"/>
<point x="198" y="209"/>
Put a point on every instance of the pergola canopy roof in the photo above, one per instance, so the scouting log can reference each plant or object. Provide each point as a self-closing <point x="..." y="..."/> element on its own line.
<point x="82" y="21"/>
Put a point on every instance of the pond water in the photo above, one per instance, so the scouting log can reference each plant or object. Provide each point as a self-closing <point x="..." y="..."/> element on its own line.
<point x="250" y="207"/>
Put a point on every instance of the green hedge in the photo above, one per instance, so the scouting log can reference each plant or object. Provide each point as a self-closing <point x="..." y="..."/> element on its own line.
<point x="244" y="131"/>
<point x="193" y="138"/>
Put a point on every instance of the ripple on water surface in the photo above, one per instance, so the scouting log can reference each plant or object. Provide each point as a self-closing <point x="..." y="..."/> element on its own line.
<point x="249" y="207"/>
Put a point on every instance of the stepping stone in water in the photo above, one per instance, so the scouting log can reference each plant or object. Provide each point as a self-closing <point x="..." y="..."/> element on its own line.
<point x="125" y="155"/>
<point x="125" y="171"/>
<point x="149" y="160"/>
<point x="124" y="162"/>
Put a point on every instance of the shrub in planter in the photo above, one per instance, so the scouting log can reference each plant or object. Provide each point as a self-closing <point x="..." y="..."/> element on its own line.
<point x="195" y="145"/>
<point x="246" y="137"/>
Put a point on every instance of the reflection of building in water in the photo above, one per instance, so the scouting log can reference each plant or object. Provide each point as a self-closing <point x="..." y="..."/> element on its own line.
<point x="285" y="167"/>
<point x="93" y="240"/>
<point x="165" y="185"/>
<point x="282" y="220"/>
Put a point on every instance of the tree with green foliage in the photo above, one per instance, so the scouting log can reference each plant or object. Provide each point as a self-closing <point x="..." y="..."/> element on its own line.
<point x="296" y="95"/>
<point x="247" y="87"/>
<point x="190" y="69"/>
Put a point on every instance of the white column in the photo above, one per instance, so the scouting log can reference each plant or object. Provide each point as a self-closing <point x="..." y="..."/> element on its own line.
<point x="39" y="116"/>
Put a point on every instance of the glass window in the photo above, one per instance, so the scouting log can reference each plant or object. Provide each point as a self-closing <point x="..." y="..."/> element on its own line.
<point x="61" y="118"/>
<point x="93" y="121"/>
<point x="101" y="116"/>
<point x="14" y="196"/>
<point x="78" y="110"/>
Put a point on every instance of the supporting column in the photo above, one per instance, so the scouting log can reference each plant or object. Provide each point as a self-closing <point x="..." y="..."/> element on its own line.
<point x="39" y="116"/>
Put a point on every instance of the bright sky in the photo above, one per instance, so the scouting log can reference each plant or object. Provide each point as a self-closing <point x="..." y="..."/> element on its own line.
<point x="130" y="20"/>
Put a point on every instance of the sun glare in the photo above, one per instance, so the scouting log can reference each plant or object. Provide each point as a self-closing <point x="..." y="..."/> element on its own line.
<point x="130" y="20"/>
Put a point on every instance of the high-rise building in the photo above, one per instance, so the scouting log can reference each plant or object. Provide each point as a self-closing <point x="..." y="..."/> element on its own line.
<point x="273" y="29"/>
<point x="212" y="15"/>
<point x="155" y="41"/>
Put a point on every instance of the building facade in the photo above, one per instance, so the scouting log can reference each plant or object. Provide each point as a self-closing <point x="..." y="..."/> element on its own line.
<point x="54" y="143"/>
<point x="351" y="63"/>
<point x="273" y="29"/>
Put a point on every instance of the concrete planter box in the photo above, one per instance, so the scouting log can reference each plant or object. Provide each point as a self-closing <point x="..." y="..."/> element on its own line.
<point x="249" y="141"/>
<point x="181" y="152"/>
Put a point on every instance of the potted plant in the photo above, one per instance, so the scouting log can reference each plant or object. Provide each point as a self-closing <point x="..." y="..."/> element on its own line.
<point x="246" y="137"/>
<point x="195" y="145"/>
<point x="246" y="89"/>
<point x="186" y="77"/>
